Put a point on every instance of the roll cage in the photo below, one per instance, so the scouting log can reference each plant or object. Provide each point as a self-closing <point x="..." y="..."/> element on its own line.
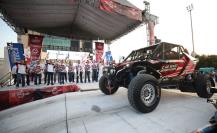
<point x="162" y="51"/>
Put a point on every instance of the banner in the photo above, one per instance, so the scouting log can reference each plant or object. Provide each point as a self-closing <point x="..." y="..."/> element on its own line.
<point x="15" y="97"/>
<point x="35" y="43"/>
<point x="99" y="50"/>
<point x="115" y="7"/>
<point x="15" y="53"/>
<point x="108" y="56"/>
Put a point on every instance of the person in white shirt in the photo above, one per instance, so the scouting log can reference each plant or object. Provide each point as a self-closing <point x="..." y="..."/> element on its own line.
<point x="71" y="72"/>
<point x="50" y="71"/>
<point x="62" y="70"/>
<point x="95" y="68"/>
<point x="21" y="73"/>
<point x="37" y="69"/>
<point x="87" y="68"/>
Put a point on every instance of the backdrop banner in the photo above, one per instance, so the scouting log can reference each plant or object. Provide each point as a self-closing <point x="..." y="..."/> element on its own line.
<point x="99" y="50"/>
<point x="35" y="43"/>
<point x="15" y="53"/>
<point x="115" y="7"/>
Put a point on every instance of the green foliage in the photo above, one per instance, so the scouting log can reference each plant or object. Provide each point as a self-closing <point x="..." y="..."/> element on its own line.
<point x="207" y="61"/>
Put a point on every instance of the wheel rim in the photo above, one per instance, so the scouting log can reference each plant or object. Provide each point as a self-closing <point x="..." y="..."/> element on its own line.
<point x="148" y="95"/>
<point x="108" y="85"/>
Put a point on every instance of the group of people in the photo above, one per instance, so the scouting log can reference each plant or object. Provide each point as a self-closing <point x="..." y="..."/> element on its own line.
<point x="56" y="72"/>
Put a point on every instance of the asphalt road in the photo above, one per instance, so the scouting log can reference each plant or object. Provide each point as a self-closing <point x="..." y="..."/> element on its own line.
<point x="93" y="112"/>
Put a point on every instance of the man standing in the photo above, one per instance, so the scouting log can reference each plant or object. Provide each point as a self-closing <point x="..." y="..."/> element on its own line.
<point x="56" y="72"/>
<point x="21" y="73"/>
<point x="37" y="72"/>
<point x="14" y="73"/>
<point x="50" y="71"/>
<point x="71" y="72"/>
<point x="62" y="70"/>
<point x="27" y="74"/>
<point x="45" y="71"/>
<point x="87" y="71"/>
<point x="95" y="69"/>
<point x="79" y="72"/>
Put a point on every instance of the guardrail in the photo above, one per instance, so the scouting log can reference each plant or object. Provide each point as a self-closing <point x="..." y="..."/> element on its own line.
<point x="6" y="80"/>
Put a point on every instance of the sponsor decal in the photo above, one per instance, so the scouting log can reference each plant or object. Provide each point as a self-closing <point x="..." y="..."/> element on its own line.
<point x="169" y="67"/>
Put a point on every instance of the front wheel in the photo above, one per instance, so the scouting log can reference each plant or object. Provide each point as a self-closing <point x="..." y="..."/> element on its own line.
<point x="144" y="93"/>
<point x="106" y="86"/>
<point x="203" y="85"/>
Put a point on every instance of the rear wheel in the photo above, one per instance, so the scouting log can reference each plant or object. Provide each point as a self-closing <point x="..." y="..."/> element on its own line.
<point x="203" y="85"/>
<point x="144" y="93"/>
<point x="106" y="86"/>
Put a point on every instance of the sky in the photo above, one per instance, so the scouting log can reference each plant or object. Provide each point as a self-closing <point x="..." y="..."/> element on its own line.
<point x="6" y="35"/>
<point x="174" y="27"/>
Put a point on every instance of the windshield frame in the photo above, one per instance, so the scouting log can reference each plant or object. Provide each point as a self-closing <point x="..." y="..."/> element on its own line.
<point x="144" y="53"/>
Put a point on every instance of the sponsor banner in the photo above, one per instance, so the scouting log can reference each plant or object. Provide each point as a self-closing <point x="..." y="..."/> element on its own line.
<point x="99" y="50"/>
<point x="115" y="7"/>
<point x="15" y="97"/>
<point x="15" y="53"/>
<point x="108" y="56"/>
<point x="35" y="43"/>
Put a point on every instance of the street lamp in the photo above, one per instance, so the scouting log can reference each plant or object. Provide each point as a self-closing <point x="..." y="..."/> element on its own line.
<point x="190" y="8"/>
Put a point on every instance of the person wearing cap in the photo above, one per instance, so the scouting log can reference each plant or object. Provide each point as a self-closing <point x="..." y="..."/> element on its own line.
<point x="37" y="72"/>
<point x="21" y="73"/>
<point x="87" y="71"/>
<point x="71" y="72"/>
<point x="50" y="71"/>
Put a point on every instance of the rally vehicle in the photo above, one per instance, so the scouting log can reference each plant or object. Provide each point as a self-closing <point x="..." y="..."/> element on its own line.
<point x="145" y="71"/>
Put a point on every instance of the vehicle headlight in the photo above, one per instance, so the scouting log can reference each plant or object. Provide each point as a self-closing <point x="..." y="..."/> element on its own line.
<point x="112" y="71"/>
<point x="127" y="65"/>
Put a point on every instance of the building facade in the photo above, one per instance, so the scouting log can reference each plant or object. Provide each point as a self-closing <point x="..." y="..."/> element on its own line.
<point x="58" y="44"/>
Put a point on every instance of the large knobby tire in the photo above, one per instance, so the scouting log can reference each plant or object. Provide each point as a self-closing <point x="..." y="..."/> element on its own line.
<point x="144" y="93"/>
<point x="203" y="85"/>
<point x="105" y="87"/>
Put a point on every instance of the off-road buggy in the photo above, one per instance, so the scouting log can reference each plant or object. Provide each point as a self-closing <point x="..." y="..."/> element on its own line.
<point x="145" y="71"/>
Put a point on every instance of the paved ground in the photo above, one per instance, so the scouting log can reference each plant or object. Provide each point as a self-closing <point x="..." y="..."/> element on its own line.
<point x="93" y="112"/>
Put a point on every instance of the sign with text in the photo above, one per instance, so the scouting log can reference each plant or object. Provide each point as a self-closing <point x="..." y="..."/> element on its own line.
<point x="15" y="53"/>
<point x="35" y="43"/>
<point x="99" y="50"/>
